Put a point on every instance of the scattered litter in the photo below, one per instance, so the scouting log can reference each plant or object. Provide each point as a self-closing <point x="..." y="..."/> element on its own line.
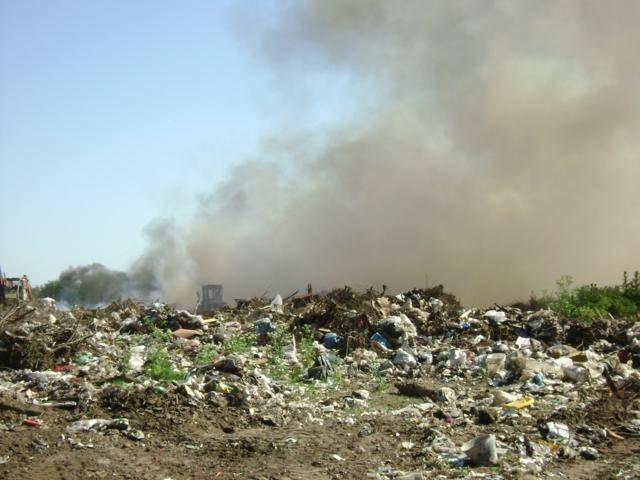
<point x="413" y="371"/>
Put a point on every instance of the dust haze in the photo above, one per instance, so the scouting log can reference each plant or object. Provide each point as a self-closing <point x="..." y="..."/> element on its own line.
<point x="493" y="149"/>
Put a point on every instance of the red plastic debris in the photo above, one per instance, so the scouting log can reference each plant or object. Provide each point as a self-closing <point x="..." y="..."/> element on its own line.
<point x="32" y="422"/>
<point x="62" y="368"/>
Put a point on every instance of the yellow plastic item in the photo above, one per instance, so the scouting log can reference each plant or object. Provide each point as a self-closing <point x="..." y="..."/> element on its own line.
<point x="523" y="402"/>
<point x="553" y="446"/>
<point x="223" y="387"/>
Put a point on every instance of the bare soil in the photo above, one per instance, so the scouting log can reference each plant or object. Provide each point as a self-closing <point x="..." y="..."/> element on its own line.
<point x="223" y="442"/>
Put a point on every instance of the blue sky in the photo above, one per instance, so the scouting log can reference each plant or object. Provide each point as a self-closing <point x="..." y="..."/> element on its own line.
<point x="116" y="113"/>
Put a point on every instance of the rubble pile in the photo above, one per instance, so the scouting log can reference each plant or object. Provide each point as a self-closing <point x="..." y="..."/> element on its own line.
<point x="413" y="383"/>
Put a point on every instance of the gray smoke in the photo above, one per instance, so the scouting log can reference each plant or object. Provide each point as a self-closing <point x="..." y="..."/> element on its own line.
<point x="94" y="284"/>
<point x="494" y="149"/>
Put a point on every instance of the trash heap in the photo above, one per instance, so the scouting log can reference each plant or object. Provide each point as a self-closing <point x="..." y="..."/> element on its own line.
<point x="443" y="390"/>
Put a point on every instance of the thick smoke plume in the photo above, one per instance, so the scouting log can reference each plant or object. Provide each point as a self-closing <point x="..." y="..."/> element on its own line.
<point x="494" y="149"/>
<point x="95" y="284"/>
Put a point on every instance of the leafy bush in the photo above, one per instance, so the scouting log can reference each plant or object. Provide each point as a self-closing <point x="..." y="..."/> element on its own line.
<point x="240" y="342"/>
<point x="160" y="335"/>
<point x="631" y="287"/>
<point x="206" y="355"/>
<point x="159" y="367"/>
<point x="123" y="362"/>
<point x="280" y="339"/>
<point x="306" y="350"/>
<point x="589" y="302"/>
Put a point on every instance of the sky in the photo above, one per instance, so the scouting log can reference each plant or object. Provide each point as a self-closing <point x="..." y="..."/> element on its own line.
<point x="488" y="146"/>
<point x="115" y="113"/>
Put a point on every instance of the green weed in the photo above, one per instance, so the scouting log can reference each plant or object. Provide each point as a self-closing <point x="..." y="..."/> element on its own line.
<point x="337" y="378"/>
<point x="123" y="362"/>
<point x="279" y="340"/>
<point x="297" y="375"/>
<point x="306" y="350"/>
<point x="120" y="382"/>
<point x="206" y="355"/>
<point x="160" y="335"/>
<point x="159" y="367"/>
<point x="239" y="342"/>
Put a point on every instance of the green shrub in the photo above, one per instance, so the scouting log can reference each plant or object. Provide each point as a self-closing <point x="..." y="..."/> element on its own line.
<point x="239" y="342"/>
<point x="159" y="367"/>
<point x="205" y="355"/>
<point x="306" y="350"/>
<point x="123" y="362"/>
<point x="606" y="299"/>
<point x="589" y="302"/>
<point x="281" y="338"/>
<point x="160" y="335"/>
<point x="631" y="287"/>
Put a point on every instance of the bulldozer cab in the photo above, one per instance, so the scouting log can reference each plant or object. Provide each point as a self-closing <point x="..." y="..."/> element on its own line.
<point x="15" y="289"/>
<point x="211" y="298"/>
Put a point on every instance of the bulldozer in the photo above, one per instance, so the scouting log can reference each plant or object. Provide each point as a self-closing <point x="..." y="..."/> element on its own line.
<point x="211" y="298"/>
<point x="15" y="289"/>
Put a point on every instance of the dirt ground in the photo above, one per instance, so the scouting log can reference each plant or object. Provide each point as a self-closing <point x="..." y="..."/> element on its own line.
<point x="223" y="442"/>
<point x="239" y="413"/>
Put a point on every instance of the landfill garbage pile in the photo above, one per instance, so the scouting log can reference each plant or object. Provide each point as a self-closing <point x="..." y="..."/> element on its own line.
<point x="339" y="385"/>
